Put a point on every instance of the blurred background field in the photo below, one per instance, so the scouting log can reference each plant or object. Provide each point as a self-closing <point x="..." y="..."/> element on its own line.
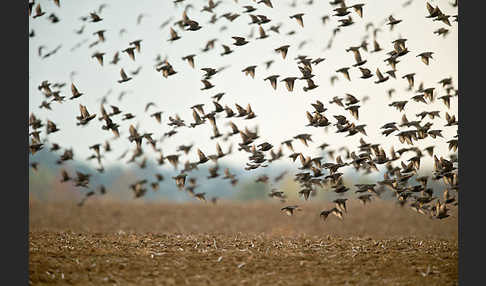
<point x="380" y="219"/>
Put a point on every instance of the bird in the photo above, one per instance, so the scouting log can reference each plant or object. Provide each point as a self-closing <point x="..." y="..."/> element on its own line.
<point x="100" y="34"/>
<point x="227" y="50"/>
<point x="31" y="5"/>
<point x="85" y="117"/>
<point x="359" y="9"/>
<point x="277" y="194"/>
<point x="250" y="70"/>
<point x="124" y="77"/>
<point x="200" y="196"/>
<point x="310" y="85"/>
<point x="202" y="158"/>
<point x="325" y="213"/>
<point x="392" y="22"/>
<point x="157" y="116"/>
<point x="136" y="43"/>
<point x="273" y="80"/>
<point x="266" y="2"/>
<point x="346" y="22"/>
<point x="304" y="138"/>
<point x="180" y="180"/>
<point x="51" y="127"/>
<point x="94" y="17"/>
<point x="115" y="59"/>
<point x="35" y="166"/>
<point x="357" y="57"/>
<point x="99" y="57"/>
<point x="353" y="110"/>
<point x="53" y="18"/>
<point x="38" y="11"/>
<point x="391" y="73"/>
<point x="337" y="213"/>
<point x="140" y="17"/>
<point x="365" y="73"/>
<point x="190" y="59"/>
<point x="366" y="198"/>
<point x="289" y="210"/>
<point x="283" y="50"/>
<point x="345" y="72"/>
<point x="341" y="11"/>
<point x="425" y="56"/>
<point x="376" y="47"/>
<point x="207" y="84"/>
<point x="444" y="18"/>
<point x="249" y="9"/>
<point x="130" y="52"/>
<point x="239" y="41"/>
<point x="298" y="18"/>
<point x="261" y="32"/>
<point x="341" y="204"/>
<point x="410" y="79"/>
<point x="75" y="92"/>
<point x="289" y="82"/>
<point x="173" y="35"/>
<point x="442" y="32"/>
<point x="381" y="78"/>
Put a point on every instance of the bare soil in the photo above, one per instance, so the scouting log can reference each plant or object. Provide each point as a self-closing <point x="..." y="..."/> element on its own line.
<point x="115" y="243"/>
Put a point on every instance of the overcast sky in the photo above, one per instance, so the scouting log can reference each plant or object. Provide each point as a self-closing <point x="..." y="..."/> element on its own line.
<point x="280" y="114"/>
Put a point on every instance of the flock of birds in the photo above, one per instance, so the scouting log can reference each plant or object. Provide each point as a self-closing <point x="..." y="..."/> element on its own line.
<point x="314" y="172"/>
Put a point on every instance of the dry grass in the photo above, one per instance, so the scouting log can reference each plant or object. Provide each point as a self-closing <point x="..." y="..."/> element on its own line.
<point x="238" y="244"/>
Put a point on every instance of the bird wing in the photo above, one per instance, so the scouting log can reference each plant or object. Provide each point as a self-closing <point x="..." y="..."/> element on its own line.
<point x="100" y="58"/>
<point x="123" y="74"/>
<point x="104" y="114"/>
<point x="359" y="10"/>
<point x="148" y="105"/>
<point x="300" y="20"/>
<point x="133" y="131"/>
<point x="430" y="8"/>
<point x="190" y="60"/>
<point x="378" y="74"/>
<point x="201" y="154"/>
<point x="217" y="106"/>
<point x="173" y="33"/>
<point x="38" y="9"/>
<point x="262" y="32"/>
<point x="84" y="111"/>
<point x="273" y="81"/>
<point x="357" y="56"/>
<point x="240" y="109"/>
<point x="196" y="116"/>
<point x="365" y="71"/>
<point x="219" y="150"/>
<point x="206" y="83"/>
<point x="74" y="90"/>
<point x="234" y="127"/>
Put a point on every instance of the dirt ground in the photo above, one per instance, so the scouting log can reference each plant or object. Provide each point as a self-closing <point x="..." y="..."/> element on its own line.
<point x="113" y="243"/>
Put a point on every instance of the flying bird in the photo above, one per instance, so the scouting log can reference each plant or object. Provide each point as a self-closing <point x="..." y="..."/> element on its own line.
<point x="75" y="92"/>
<point x="289" y="210"/>
<point x="283" y="50"/>
<point x="124" y="77"/>
<point x="298" y="18"/>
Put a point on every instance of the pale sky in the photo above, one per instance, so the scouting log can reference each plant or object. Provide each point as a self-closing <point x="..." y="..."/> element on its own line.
<point x="280" y="114"/>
